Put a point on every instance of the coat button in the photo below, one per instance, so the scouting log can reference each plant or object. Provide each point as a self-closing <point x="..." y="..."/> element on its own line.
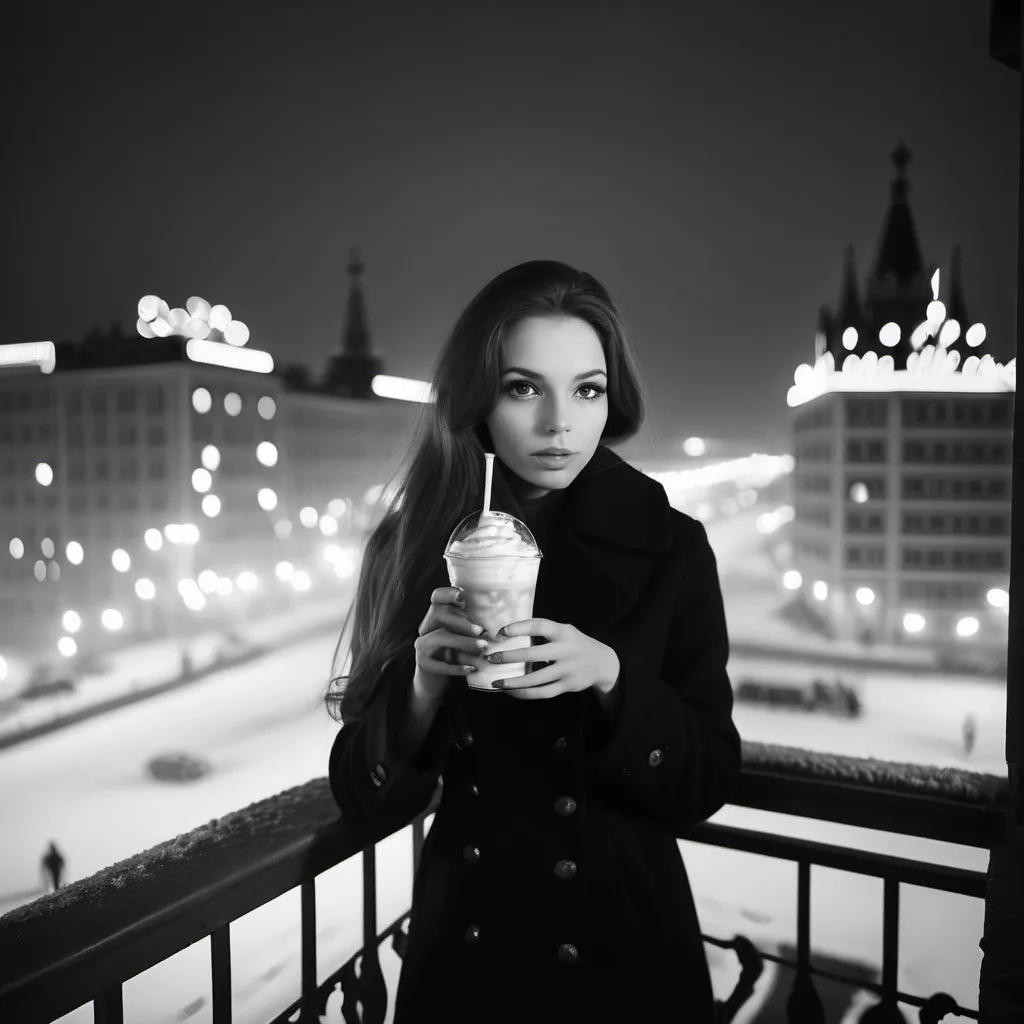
<point x="561" y="745"/>
<point x="655" y="757"/>
<point x="474" y="789"/>
<point x="473" y="933"/>
<point x="377" y="780"/>
<point x="568" y="953"/>
<point x="382" y="772"/>
<point x="564" y="806"/>
<point x="565" y="869"/>
<point x="471" y="854"/>
<point x="465" y="741"/>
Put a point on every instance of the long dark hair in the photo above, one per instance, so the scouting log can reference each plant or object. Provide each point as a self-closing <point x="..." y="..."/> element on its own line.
<point x="445" y="478"/>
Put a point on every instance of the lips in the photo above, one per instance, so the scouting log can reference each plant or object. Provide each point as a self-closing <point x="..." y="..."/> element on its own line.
<point x="553" y="451"/>
<point x="555" y="460"/>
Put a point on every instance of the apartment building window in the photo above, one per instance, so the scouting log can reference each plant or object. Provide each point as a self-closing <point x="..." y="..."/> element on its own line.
<point x="126" y="434"/>
<point x="129" y="500"/>
<point x="156" y="434"/>
<point x="128" y="469"/>
<point x="867" y="412"/>
<point x="98" y="402"/>
<point x="99" y="433"/>
<point x="76" y="471"/>
<point x="126" y="400"/>
<point x="103" y="500"/>
<point x="155" y="401"/>
<point x="156" y="467"/>
<point x="158" y="501"/>
<point x="73" y="404"/>
<point x="101" y="469"/>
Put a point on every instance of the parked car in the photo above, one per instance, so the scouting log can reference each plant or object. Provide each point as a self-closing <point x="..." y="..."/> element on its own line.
<point x="177" y="766"/>
<point x="47" y="679"/>
<point x="836" y="697"/>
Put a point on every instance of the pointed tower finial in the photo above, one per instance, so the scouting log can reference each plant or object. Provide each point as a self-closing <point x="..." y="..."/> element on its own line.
<point x="355" y="265"/>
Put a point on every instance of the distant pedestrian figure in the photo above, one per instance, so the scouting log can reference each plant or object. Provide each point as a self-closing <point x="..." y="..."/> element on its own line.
<point x="970" y="729"/>
<point x="53" y="865"/>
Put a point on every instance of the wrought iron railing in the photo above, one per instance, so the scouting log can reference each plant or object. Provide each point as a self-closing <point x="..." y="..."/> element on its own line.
<point x="81" y="943"/>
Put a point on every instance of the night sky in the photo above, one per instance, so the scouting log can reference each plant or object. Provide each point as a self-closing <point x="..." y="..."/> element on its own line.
<point x="707" y="161"/>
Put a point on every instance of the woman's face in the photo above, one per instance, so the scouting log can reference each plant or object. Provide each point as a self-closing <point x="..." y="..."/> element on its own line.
<point x="553" y="394"/>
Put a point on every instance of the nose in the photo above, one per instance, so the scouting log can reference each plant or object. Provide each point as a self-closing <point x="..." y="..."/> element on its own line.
<point x="556" y="417"/>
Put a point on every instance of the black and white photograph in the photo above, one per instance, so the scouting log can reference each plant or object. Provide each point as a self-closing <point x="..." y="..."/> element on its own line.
<point x="506" y="512"/>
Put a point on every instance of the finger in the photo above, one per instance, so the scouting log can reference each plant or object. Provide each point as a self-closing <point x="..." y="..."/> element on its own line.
<point x="538" y="677"/>
<point x="444" y="638"/>
<point x="447" y="595"/>
<point x="538" y="692"/>
<point x="443" y="668"/>
<point x="533" y="627"/>
<point x="456" y="621"/>
<point x="534" y="653"/>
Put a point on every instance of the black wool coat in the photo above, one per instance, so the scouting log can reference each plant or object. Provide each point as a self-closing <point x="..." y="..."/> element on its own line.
<point x="551" y="886"/>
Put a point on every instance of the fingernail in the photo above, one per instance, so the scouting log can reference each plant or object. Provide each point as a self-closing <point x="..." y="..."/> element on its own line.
<point x="468" y="668"/>
<point x="499" y="684"/>
<point x="488" y="635"/>
<point x="481" y="645"/>
<point x="494" y="658"/>
<point x="501" y="632"/>
<point x="477" y="630"/>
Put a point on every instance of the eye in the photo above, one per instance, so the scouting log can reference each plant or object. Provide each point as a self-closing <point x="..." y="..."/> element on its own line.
<point x="596" y="391"/>
<point x="512" y="385"/>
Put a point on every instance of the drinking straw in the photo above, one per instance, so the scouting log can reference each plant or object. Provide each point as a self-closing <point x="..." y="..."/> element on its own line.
<point x="488" y="473"/>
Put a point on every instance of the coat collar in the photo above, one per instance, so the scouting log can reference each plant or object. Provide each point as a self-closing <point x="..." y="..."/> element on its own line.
<point x="614" y="503"/>
<point x="615" y="519"/>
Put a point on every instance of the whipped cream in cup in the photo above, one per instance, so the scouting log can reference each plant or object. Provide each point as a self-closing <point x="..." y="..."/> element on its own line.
<point x="494" y="559"/>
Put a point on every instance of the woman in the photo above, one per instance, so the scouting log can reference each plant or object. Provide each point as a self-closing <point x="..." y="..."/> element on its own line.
<point x="551" y="882"/>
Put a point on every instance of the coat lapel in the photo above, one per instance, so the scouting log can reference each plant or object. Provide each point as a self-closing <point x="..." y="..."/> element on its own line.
<point x="617" y="521"/>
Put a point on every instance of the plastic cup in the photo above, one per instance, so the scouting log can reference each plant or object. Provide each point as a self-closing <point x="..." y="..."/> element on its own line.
<point x="495" y="564"/>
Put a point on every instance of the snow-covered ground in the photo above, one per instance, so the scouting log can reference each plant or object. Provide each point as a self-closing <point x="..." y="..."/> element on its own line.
<point x="263" y="728"/>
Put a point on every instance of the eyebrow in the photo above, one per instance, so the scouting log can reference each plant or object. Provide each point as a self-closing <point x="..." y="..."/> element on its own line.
<point x="540" y="376"/>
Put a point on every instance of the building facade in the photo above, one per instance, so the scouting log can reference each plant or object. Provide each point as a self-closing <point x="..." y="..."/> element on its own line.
<point x="151" y="493"/>
<point x="902" y="440"/>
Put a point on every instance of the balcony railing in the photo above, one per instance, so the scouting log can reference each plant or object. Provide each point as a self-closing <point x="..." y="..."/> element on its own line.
<point x="81" y="943"/>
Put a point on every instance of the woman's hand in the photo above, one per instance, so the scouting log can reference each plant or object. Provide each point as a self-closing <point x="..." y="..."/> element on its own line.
<point x="575" y="661"/>
<point x="444" y="629"/>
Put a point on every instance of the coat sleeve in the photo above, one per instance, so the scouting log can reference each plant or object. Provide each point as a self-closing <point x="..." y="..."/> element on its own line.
<point x="370" y="779"/>
<point x="672" y="752"/>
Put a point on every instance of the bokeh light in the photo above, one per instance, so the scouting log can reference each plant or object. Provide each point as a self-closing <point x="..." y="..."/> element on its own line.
<point x="201" y="480"/>
<point x="246" y="582"/>
<point x="267" y="499"/>
<point x="121" y="560"/>
<point x="232" y="403"/>
<point x="210" y="457"/>
<point x="328" y="525"/>
<point x="67" y="646"/>
<point x="202" y="400"/>
<point x="266" y="407"/>
<point x="865" y="596"/>
<point x="792" y="580"/>
<point x="967" y="626"/>
<point x="112" y="619"/>
<point x="39" y="570"/>
<point x="75" y="553"/>
<point x="309" y="517"/>
<point x="44" y="474"/>
<point x="266" y="453"/>
<point x="16" y="547"/>
<point x="211" y="505"/>
<point x="145" y="589"/>
<point x="46" y="546"/>
<point x="913" y="622"/>
<point x="207" y="582"/>
<point x="71" y="621"/>
<point x="154" y="540"/>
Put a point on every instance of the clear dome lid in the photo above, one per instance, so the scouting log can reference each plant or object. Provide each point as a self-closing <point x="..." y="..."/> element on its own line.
<point x="494" y="535"/>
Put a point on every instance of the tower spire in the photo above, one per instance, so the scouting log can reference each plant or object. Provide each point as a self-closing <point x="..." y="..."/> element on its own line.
<point x="898" y="266"/>
<point x="355" y="339"/>
<point x="350" y="372"/>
